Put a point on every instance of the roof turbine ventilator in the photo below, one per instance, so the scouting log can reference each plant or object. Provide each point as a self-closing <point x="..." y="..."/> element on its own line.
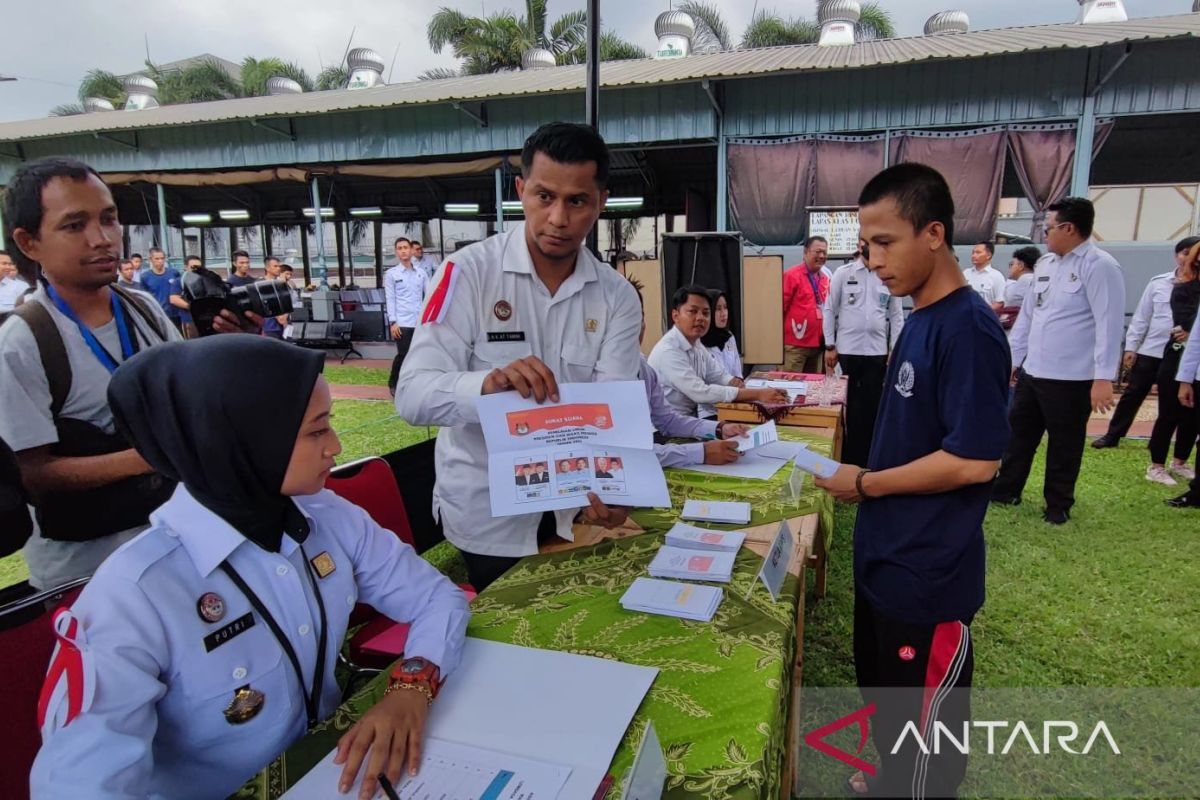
<point x="281" y="84"/>
<point x="93" y="104"/>
<point x="366" y="68"/>
<point x="947" y="22"/>
<point x="675" y="31"/>
<point x="837" y="19"/>
<point x="1092" y="11"/>
<point x="538" y="58"/>
<point x="140" y="92"/>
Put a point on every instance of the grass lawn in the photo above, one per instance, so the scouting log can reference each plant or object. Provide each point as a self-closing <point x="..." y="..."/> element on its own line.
<point x="357" y="376"/>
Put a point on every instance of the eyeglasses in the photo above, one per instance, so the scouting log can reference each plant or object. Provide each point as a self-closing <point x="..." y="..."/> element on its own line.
<point x="1047" y="228"/>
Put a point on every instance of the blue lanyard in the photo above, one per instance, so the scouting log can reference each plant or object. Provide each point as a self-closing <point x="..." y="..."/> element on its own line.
<point x="93" y="343"/>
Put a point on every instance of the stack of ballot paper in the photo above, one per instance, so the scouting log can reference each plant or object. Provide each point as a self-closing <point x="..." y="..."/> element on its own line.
<point x="690" y="537"/>
<point x="714" y="511"/>
<point x="684" y="600"/>
<point x="692" y="565"/>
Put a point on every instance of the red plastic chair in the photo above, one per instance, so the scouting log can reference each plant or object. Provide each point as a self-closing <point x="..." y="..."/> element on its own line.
<point x="26" y="641"/>
<point x="370" y="484"/>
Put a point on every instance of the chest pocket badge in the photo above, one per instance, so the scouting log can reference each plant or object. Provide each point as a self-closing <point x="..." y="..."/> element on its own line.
<point x="246" y="704"/>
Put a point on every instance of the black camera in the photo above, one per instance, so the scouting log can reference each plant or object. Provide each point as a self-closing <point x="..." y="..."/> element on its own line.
<point x="209" y="298"/>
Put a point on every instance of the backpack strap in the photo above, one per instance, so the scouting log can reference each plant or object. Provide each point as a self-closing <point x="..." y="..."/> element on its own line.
<point x="52" y="351"/>
<point x="131" y="300"/>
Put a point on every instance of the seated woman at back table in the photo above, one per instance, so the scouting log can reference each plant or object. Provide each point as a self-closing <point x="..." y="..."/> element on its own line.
<point x="206" y="646"/>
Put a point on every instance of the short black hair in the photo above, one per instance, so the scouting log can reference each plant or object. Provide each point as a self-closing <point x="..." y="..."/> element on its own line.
<point x="991" y="248"/>
<point x="4" y="253"/>
<point x="193" y="257"/>
<point x="1028" y="256"/>
<point x="682" y="294"/>
<point x="920" y="192"/>
<point x="240" y="254"/>
<point x="154" y="250"/>
<point x="124" y="261"/>
<point x="567" y="143"/>
<point x="1076" y="210"/>
<point x="276" y="259"/>
<point x="809" y="241"/>
<point x="23" y="196"/>
<point x="1180" y="246"/>
<point x="400" y="239"/>
<point x="135" y="255"/>
<point x="637" y="287"/>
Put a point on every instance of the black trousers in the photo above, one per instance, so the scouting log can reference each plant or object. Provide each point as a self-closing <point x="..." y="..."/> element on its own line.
<point x="864" y="389"/>
<point x="1043" y="406"/>
<point x="1142" y="376"/>
<point x="482" y="571"/>
<point x="402" y="345"/>
<point x="920" y="674"/>
<point x="1173" y="417"/>
<point x="1194" y="487"/>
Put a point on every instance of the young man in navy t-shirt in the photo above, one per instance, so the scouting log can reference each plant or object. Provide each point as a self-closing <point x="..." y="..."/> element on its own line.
<point x="939" y="437"/>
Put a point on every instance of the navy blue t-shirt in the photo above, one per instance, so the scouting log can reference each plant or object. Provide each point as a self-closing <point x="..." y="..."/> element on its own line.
<point x="162" y="287"/>
<point x="920" y="558"/>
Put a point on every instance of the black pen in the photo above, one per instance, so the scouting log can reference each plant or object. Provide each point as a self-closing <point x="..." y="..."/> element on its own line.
<point x="387" y="787"/>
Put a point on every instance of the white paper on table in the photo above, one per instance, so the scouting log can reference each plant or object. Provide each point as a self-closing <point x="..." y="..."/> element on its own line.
<point x="546" y="457"/>
<point x="722" y="511"/>
<point x="751" y="466"/>
<point x="785" y="451"/>
<point x="757" y="437"/>
<point x="672" y="599"/>
<point x="683" y="535"/>
<point x="692" y="565"/>
<point x="794" y="389"/>
<point x="449" y="771"/>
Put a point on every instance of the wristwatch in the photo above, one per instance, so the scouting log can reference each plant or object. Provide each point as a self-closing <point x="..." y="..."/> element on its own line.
<point x="720" y="427"/>
<point x="830" y="347"/>
<point x="416" y="674"/>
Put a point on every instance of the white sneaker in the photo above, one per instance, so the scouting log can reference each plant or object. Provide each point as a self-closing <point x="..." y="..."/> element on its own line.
<point x="1183" y="472"/>
<point x="1159" y="474"/>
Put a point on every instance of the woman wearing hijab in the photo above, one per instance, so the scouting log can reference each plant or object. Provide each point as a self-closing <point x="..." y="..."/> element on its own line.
<point x="205" y="647"/>
<point x="720" y="340"/>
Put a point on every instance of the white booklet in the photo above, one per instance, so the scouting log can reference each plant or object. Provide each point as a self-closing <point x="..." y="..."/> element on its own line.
<point x="671" y="599"/>
<point x="757" y="437"/>
<point x="715" y="511"/>
<point x="796" y="389"/>
<point x="815" y="463"/>
<point x="692" y="565"/>
<point x="691" y="537"/>
<point x="597" y="438"/>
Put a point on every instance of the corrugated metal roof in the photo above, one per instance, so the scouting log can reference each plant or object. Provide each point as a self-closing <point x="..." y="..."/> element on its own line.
<point x="643" y="72"/>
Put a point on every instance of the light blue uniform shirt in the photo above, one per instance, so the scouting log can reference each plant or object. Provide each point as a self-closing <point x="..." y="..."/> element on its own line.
<point x="1189" y="362"/>
<point x="673" y="425"/>
<point x="404" y="292"/>
<point x="152" y="722"/>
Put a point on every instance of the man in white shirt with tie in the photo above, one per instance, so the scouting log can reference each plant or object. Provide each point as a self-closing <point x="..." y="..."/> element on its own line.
<point x="1068" y="340"/>
<point x="985" y="279"/>
<point x="862" y="322"/>
<point x="404" y="291"/>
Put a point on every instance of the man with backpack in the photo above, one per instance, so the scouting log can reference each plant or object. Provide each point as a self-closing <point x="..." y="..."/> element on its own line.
<point x="90" y="489"/>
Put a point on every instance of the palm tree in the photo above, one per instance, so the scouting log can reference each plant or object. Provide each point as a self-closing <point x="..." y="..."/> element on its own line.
<point x="334" y="77"/>
<point x="497" y="42"/>
<point x="712" y="33"/>
<point x="256" y="73"/>
<point x="769" y="29"/>
<point x="97" y="83"/>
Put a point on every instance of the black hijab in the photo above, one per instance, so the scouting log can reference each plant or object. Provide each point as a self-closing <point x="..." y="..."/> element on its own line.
<point x="190" y="410"/>
<point x="717" y="337"/>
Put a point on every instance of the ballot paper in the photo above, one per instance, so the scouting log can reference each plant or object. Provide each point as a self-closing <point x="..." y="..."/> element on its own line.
<point x="716" y="511"/>
<point x="750" y="466"/>
<point x="451" y="771"/>
<point x="692" y="538"/>
<point x="597" y="438"/>
<point x="671" y="599"/>
<point x="796" y="390"/>
<point x="785" y="451"/>
<point x="815" y="463"/>
<point x="757" y="437"/>
<point x="692" y="565"/>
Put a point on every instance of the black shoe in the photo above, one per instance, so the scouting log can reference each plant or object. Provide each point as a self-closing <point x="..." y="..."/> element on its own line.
<point x="1184" y="501"/>
<point x="1106" y="441"/>
<point x="1056" y="516"/>
<point x="1006" y="501"/>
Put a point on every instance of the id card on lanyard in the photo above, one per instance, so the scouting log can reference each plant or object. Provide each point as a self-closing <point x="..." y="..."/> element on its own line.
<point x="102" y="355"/>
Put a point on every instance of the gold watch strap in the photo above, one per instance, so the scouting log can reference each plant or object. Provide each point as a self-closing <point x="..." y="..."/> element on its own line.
<point x="418" y="687"/>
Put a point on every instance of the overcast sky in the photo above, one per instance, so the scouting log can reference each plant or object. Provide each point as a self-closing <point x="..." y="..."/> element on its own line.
<point x="52" y="45"/>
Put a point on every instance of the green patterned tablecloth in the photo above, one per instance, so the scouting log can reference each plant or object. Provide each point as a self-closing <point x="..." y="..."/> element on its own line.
<point x="720" y="702"/>
<point x="770" y="500"/>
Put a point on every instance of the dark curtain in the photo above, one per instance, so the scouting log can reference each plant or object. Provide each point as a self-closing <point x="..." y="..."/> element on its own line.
<point x="770" y="186"/>
<point x="844" y="165"/>
<point x="972" y="163"/>
<point x="1043" y="157"/>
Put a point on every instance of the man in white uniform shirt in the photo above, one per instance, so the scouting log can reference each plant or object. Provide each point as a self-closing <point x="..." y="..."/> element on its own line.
<point x="691" y="375"/>
<point x="1068" y="341"/>
<point x="521" y="310"/>
<point x="11" y="284"/>
<point x="862" y="323"/>
<point x="988" y="281"/>
<point x="1147" y="337"/>
<point x="422" y="261"/>
<point x="404" y="288"/>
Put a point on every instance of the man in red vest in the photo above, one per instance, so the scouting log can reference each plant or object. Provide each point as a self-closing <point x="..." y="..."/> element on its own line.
<point x="805" y="287"/>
